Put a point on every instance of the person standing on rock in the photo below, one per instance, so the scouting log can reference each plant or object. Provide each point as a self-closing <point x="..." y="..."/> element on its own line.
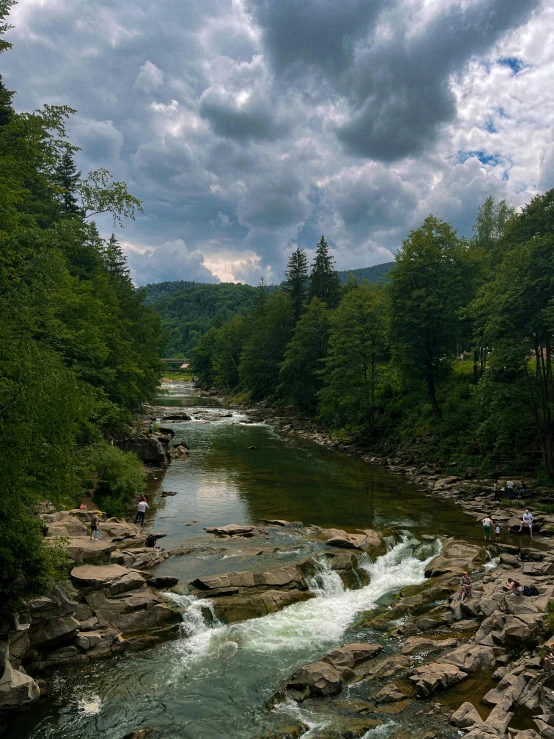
<point x="522" y="489"/>
<point x="527" y="521"/>
<point x="151" y="428"/>
<point x="141" y="511"/>
<point x="95" y="525"/>
<point x="487" y="527"/>
<point x="510" y="487"/>
<point x="497" y="532"/>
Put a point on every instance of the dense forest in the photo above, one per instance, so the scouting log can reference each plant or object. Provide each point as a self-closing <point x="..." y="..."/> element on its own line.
<point x="79" y="351"/>
<point x="190" y="309"/>
<point x="449" y="360"/>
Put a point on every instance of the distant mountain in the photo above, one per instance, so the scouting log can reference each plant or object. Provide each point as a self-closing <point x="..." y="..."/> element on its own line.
<point x="189" y="309"/>
<point x="375" y="274"/>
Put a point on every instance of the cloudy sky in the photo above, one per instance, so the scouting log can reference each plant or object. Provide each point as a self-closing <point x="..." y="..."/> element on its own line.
<point x="250" y="126"/>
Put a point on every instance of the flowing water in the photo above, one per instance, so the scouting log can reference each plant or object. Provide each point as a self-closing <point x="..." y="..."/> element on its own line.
<point x="215" y="680"/>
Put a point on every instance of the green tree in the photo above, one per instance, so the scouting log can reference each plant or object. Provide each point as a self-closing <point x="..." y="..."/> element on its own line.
<point x="270" y="326"/>
<point x="296" y="283"/>
<point x="324" y="280"/>
<point x="357" y="353"/>
<point x="516" y="314"/>
<point x="68" y="178"/>
<point x="428" y="288"/>
<point x="300" y="371"/>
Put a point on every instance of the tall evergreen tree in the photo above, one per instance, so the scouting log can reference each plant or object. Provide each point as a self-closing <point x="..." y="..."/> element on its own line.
<point x="68" y="177"/>
<point x="296" y="284"/>
<point x="324" y="280"/>
<point x="115" y="260"/>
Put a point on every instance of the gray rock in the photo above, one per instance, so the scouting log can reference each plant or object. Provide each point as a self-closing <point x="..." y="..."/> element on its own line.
<point x="435" y="676"/>
<point x="391" y="693"/>
<point x="149" y="451"/>
<point x="320" y="678"/>
<point x="97" y="576"/>
<point x="53" y="632"/>
<point x="471" y="657"/>
<point x="466" y="715"/>
<point x="420" y="645"/>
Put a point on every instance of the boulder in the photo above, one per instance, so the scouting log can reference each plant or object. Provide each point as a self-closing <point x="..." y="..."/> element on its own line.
<point x="63" y="524"/>
<point x="508" y="690"/>
<point x="499" y="718"/>
<point x="177" y="417"/>
<point x="421" y="645"/>
<point x="466" y="715"/>
<point x="388" y="666"/>
<point x="471" y="658"/>
<point x="149" y="451"/>
<point x="130" y="581"/>
<point x="235" y="608"/>
<point x="139" y="610"/>
<point x="320" y="678"/>
<point x="17" y="689"/>
<point x="456" y="557"/>
<point x="349" y="655"/>
<point x="97" y="576"/>
<point x="391" y="693"/>
<point x="369" y="541"/>
<point x="53" y="632"/>
<point x="435" y="676"/>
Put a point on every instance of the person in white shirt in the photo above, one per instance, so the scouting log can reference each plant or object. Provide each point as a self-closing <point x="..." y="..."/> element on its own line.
<point x="487" y="527"/>
<point x="527" y="521"/>
<point x="510" y="489"/>
<point x="141" y="511"/>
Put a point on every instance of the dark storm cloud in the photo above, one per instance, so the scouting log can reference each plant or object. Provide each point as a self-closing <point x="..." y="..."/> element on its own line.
<point x="315" y="33"/>
<point x="400" y="92"/>
<point x="396" y="85"/>
<point x="247" y="126"/>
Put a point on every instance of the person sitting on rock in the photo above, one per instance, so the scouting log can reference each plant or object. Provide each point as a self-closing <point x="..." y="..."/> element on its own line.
<point x="548" y="660"/>
<point x="465" y="587"/>
<point x="527" y="520"/>
<point x="513" y="586"/>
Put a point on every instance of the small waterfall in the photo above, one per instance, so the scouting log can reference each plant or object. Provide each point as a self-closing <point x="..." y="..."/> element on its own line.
<point x="326" y="582"/>
<point x="194" y="621"/>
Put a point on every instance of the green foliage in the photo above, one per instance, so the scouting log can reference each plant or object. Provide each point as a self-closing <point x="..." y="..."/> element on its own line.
<point x="120" y="477"/>
<point x="324" y="280"/>
<point x="300" y="371"/>
<point x="296" y="283"/>
<point x="428" y="289"/>
<point x="190" y="312"/>
<point x="353" y="369"/>
<point x="79" y="351"/>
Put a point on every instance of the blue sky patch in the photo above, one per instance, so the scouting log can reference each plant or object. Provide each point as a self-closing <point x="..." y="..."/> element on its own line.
<point x="515" y="64"/>
<point x="482" y="156"/>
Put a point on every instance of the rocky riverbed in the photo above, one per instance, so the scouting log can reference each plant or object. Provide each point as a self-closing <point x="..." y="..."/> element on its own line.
<point x="419" y="659"/>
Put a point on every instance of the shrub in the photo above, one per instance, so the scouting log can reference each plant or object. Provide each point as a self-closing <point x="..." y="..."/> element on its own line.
<point x="120" y="478"/>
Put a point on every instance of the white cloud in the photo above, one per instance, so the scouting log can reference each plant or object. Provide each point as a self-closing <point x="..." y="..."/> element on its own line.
<point x="150" y="78"/>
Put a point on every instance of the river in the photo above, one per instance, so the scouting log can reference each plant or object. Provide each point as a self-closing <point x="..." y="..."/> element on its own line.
<point x="215" y="680"/>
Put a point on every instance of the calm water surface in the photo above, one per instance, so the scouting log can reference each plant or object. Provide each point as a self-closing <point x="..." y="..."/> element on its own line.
<point x="216" y="680"/>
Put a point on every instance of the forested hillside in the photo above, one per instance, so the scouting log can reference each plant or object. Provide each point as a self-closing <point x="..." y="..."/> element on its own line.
<point x="450" y="359"/>
<point x="189" y="309"/>
<point x="79" y="351"/>
<point x="375" y="274"/>
<point x="187" y="313"/>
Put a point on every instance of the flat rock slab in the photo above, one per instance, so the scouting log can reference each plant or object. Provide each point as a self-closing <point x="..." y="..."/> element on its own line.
<point x="97" y="576"/>
<point x="421" y="645"/>
<point x="282" y="577"/>
<point x="81" y="549"/>
<point x="391" y="693"/>
<point x="232" y="529"/>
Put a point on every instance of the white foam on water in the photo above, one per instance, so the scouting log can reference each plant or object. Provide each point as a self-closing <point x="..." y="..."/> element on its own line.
<point x="311" y="624"/>
<point x="91" y="705"/>
<point x="294" y="710"/>
<point x="492" y="564"/>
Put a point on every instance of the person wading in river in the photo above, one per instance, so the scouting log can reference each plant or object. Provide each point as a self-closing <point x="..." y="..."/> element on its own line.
<point x="487" y="527"/>
<point x="141" y="511"/>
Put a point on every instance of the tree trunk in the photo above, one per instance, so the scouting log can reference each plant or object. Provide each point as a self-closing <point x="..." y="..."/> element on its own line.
<point x="433" y="397"/>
